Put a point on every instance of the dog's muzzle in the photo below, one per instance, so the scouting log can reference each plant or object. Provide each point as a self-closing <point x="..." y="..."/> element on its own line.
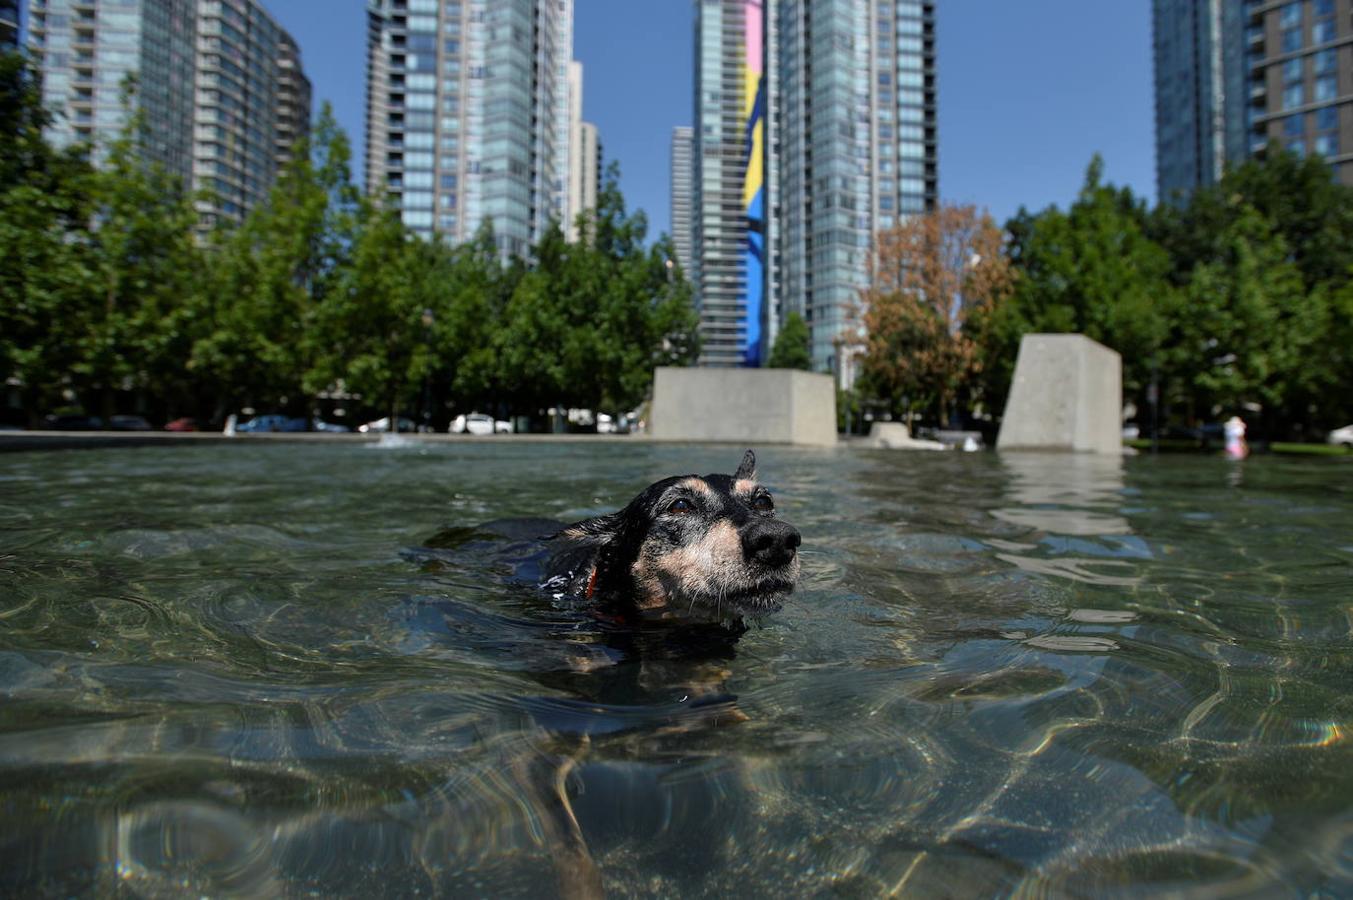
<point x="770" y="543"/>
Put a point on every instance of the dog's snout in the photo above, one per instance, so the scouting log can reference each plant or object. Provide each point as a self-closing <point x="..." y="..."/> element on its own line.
<point x="770" y="542"/>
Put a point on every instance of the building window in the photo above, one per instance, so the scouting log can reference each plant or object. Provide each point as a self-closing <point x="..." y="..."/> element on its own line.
<point x="1297" y="147"/>
<point x="1325" y="88"/>
<point x="1327" y="144"/>
<point x="1292" y="40"/>
<point x="1292" y="70"/>
<point x="1322" y="32"/>
<point x="1325" y="119"/>
<point x="1292" y="126"/>
<point x="1292" y="96"/>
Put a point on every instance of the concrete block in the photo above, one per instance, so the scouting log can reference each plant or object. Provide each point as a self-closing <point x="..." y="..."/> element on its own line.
<point x="744" y="406"/>
<point x="1067" y="394"/>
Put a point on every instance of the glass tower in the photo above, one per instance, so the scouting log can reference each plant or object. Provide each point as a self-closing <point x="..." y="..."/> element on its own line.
<point x="468" y="109"/>
<point x="218" y="83"/>
<point x="784" y="217"/>
<point x="1233" y="76"/>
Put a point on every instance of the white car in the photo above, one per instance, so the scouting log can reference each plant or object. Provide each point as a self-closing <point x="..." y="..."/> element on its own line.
<point x="1342" y="437"/>
<point x="474" y="423"/>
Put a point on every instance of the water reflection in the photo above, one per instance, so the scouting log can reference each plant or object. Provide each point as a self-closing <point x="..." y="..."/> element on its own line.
<point x="1024" y="675"/>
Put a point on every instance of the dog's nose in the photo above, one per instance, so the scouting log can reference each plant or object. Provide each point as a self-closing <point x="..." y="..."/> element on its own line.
<point x="770" y="542"/>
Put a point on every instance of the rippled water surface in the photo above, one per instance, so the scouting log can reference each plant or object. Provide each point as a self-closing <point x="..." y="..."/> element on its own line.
<point x="230" y="670"/>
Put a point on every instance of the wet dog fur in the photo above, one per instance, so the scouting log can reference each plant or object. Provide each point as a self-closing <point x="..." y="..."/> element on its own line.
<point x="698" y="548"/>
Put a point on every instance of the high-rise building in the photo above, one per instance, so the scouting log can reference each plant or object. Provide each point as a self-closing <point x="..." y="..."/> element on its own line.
<point x="588" y="164"/>
<point x="1233" y="76"/>
<point x="1201" y="92"/>
<point x="858" y="150"/>
<point x="218" y="85"/>
<point x="293" y="99"/>
<point x="815" y="128"/>
<point x="728" y="176"/>
<point x="584" y="155"/>
<point x="1301" y="78"/>
<point x="252" y="102"/>
<point x="9" y="25"/>
<point x="468" y="114"/>
<point x="681" y="196"/>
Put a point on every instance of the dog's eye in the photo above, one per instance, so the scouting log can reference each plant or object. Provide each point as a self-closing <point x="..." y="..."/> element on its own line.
<point x="763" y="503"/>
<point x="681" y="505"/>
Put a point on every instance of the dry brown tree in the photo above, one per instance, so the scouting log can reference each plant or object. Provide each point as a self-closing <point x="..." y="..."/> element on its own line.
<point x="930" y="276"/>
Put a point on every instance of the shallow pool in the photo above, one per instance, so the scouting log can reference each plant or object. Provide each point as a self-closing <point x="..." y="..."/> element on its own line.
<point x="230" y="669"/>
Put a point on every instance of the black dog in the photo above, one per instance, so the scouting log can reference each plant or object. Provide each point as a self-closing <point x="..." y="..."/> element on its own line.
<point x="686" y="548"/>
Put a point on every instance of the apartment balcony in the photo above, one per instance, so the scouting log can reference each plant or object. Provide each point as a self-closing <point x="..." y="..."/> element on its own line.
<point x="1259" y="95"/>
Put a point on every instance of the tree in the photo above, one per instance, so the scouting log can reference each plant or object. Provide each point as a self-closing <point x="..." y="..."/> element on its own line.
<point x="930" y="276"/>
<point x="791" y="350"/>
<point x="47" y="280"/>
<point x="1091" y="270"/>
<point x="1301" y="199"/>
<point x="264" y="341"/>
<point x="146" y="265"/>
<point x="1242" y="332"/>
<point x="378" y="312"/>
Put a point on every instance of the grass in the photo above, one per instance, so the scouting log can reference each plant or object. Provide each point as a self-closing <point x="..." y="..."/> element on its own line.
<point x="1184" y="445"/>
<point x="1310" y="449"/>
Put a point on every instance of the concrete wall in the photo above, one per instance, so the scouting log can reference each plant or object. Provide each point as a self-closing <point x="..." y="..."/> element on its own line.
<point x="1067" y="395"/>
<point x="751" y="406"/>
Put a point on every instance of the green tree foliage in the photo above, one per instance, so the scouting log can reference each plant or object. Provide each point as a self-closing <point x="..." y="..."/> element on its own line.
<point x="792" y="350"/>
<point x="146" y="266"/>
<point x="1092" y="270"/>
<point x="1303" y="203"/>
<point x="48" y="275"/>
<point x="264" y="340"/>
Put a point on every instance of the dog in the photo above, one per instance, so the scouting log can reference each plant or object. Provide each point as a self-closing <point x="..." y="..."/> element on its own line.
<point x="666" y="584"/>
<point x="688" y="548"/>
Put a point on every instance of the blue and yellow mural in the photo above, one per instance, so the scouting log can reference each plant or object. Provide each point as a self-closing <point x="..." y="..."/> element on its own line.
<point x="754" y="178"/>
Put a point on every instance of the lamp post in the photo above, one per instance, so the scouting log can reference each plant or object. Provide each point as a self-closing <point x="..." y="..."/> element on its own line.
<point x="427" y="319"/>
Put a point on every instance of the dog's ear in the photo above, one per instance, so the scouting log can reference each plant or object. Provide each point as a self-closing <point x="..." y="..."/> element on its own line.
<point x="601" y="530"/>
<point x="748" y="467"/>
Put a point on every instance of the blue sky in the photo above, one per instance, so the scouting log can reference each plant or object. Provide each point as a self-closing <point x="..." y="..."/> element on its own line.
<point x="1029" y="91"/>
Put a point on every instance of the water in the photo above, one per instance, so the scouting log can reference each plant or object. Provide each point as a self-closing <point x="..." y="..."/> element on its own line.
<point x="228" y="670"/>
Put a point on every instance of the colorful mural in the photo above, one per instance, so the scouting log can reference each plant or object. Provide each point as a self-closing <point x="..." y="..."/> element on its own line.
<point x="754" y="179"/>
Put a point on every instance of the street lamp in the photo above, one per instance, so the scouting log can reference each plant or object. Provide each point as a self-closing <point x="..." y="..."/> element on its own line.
<point x="427" y="319"/>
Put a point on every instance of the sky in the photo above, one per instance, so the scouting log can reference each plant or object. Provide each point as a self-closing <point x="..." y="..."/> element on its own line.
<point x="1028" y="92"/>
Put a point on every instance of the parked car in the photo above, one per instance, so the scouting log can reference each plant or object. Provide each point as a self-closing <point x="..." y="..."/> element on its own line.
<point x="182" y="424"/>
<point x="272" y="422"/>
<point x="129" y="423"/>
<point x="1342" y="437"/>
<point x="330" y="427"/>
<point x="72" y="422"/>
<point x="474" y="423"/>
<point x="383" y="424"/>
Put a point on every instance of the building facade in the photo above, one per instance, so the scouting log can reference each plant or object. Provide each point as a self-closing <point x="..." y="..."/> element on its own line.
<point x="728" y="181"/>
<point x="1300" y="61"/>
<point x="9" y="25"/>
<point x="252" y="103"/>
<point x="468" y="115"/>
<point x="815" y="128"/>
<point x="682" y="196"/>
<point x="584" y="156"/>
<point x="1234" y="76"/>
<point x="218" y="84"/>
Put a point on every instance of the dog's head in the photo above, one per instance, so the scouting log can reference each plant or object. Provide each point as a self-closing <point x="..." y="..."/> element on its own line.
<point x="690" y="546"/>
